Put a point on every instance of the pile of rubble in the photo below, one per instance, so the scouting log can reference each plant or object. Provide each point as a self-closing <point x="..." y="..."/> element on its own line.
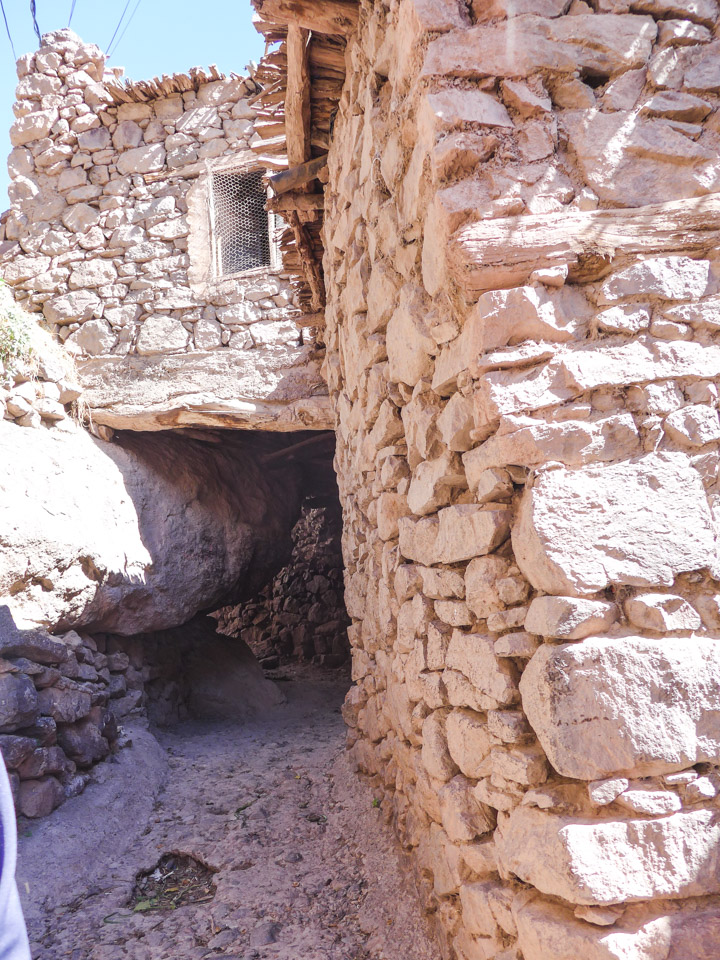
<point x="301" y="613"/>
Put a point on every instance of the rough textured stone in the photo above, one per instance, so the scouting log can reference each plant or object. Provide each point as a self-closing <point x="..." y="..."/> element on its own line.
<point x="104" y="535"/>
<point x="673" y="856"/>
<point x="633" y="523"/>
<point x="458" y="533"/>
<point x="18" y="701"/>
<point x="613" y="706"/>
<point x="569" y="617"/>
<point x="468" y="742"/>
<point x="663" y="932"/>
<point x="662" y="612"/>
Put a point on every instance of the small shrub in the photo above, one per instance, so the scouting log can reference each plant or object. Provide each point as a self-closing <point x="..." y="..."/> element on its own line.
<point x="16" y="334"/>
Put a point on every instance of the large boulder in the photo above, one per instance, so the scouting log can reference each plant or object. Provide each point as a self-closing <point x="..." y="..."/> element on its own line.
<point x="138" y="534"/>
<point x="640" y="523"/>
<point x="625" y="705"/>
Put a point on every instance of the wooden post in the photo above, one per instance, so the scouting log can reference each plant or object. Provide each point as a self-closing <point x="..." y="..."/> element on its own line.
<point x="297" y="97"/>
<point x="311" y="268"/>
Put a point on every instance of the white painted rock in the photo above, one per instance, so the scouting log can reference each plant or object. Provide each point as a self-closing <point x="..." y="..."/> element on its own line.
<point x="674" y="856"/>
<point x="641" y="523"/>
<point x="569" y="617"/>
<point x="629" y="705"/>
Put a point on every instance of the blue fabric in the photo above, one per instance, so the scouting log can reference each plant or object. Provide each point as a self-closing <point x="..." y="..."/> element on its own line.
<point x="13" y="938"/>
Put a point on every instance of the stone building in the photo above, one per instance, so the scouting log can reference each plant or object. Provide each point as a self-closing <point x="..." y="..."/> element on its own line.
<point x="516" y="206"/>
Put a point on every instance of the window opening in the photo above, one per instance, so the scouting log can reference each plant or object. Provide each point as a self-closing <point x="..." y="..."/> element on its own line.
<point x="241" y="226"/>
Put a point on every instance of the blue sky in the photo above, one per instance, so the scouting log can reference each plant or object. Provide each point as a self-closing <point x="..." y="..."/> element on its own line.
<point x="165" y="36"/>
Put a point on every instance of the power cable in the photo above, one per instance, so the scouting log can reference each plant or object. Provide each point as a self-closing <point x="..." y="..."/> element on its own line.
<point x="122" y="15"/>
<point x="72" y="11"/>
<point x="7" y="27"/>
<point x="33" y="13"/>
<point x="119" y="39"/>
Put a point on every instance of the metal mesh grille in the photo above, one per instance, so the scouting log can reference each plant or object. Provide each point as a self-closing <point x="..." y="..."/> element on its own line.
<point x="240" y="222"/>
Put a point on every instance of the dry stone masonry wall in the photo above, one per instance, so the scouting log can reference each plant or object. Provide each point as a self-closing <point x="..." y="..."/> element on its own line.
<point x="109" y="236"/>
<point x="301" y="613"/>
<point x="523" y="358"/>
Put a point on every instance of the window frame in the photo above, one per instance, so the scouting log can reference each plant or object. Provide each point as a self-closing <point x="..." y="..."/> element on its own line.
<point x="239" y="168"/>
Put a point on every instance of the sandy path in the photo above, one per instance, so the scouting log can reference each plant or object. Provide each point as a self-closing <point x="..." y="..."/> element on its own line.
<point x="306" y="867"/>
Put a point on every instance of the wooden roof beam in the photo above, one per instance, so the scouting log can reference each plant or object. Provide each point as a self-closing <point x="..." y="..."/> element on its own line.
<point x="320" y="16"/>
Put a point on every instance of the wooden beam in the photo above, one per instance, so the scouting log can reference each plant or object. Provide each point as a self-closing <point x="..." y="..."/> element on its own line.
<point x="320" y="16"/>
<point x="303" y="444"/>
<point x="297" y="176"/>
<point x="266" y="91"/>
<point x="296" y="201"/>
<point x="310" y="320"/>
<point x="311" y="268"/>
<point x="297" y="97"/>
<point x="497" y="254"/>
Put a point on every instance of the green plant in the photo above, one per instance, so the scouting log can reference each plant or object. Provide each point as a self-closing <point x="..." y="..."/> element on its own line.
<point x="16" y="333"/>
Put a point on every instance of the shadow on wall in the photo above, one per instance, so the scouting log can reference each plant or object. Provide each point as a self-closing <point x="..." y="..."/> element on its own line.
<point x="141" y="534"/>
<point x="194" y="671"/>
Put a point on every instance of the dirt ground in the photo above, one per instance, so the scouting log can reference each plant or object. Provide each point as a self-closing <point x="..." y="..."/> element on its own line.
<point x="304" y="866"/>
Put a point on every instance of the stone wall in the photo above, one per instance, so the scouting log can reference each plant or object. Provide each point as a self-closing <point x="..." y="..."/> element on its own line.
<point x="523" y="360"/>
<point x="300" y="614"/>
<point x="108" y="236"/>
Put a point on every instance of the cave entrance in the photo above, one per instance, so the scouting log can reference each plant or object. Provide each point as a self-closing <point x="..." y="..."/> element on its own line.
<point x="286" y="611"/>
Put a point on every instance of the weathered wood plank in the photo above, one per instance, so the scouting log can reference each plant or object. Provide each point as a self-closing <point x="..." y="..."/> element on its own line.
<point x="296" y="201"/>
<point x="297" y="176"/>
<point x="496" y="254"/>
<point x="320" y="16"/>
<point x="297" y="97"/>
<point x="311" y="268"/>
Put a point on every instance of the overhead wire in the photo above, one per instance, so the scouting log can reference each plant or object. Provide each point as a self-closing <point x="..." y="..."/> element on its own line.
<point x="7" y="27"/>
<point x="130" y="20"/>
<point x="72" y="11"/>
<point x="33" y="13"/>
<point x="122" y="16"/>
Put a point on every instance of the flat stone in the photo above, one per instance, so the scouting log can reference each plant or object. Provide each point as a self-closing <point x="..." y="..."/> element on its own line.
<point x="38" y="798"/>
<point x="94" y="338"/>
<point x="675" y="856"/>
<point x="502" y="317"/>
<point x="524" y="441"/>
<point x="693" y="426"/>
<point x="662" y="612"/>
<point x="603" y="43"/>
<point x="604" y="707"/>
<point x="442" y="111"/>
<point x="469" y="742"/>
<point x="569" y="617"/>
<point x="146" y="159"/>
<point x="473" y="655"/>
<point x="667" y="278"/>
<point x="161" y="334"/>
<point x="664" y="931"/>
<point x="75" y="307"/>
<point x="459" y="533"/>
<point x="638" y="523"/>
<point x="65" y="703"/>
<point x="18" y="702"/>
